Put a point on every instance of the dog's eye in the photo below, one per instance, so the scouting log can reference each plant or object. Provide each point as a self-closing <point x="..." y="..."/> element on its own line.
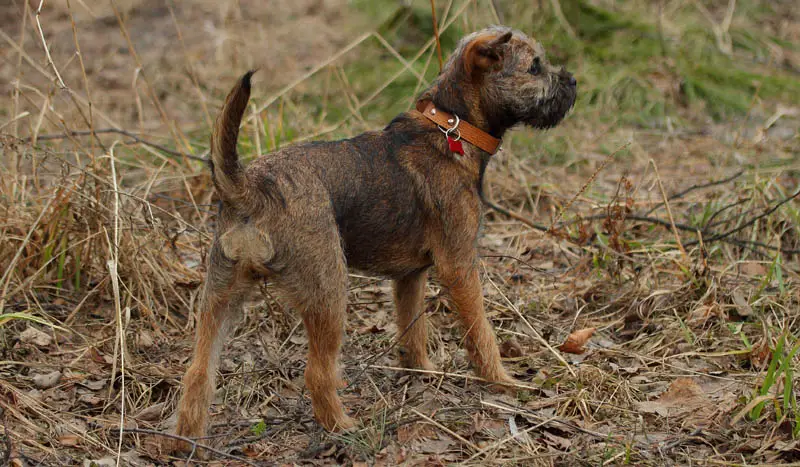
<point x="536" y="68"/>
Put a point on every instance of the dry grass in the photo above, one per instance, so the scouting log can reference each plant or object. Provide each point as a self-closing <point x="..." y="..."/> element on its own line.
<point x="692" y="286"/>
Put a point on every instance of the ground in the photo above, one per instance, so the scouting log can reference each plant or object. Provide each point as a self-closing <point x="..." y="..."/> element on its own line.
<point x="641" y="268"/>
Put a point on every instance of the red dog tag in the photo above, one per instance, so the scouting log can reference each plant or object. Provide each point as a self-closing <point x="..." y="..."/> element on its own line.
<point x="455" y="145"/>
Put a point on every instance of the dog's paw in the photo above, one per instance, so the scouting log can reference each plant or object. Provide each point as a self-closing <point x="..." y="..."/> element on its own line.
<point x="346" y="424"/>
<point x="505" y="385"/>
<point x="339" y="423"/>
<point x="419" y="363"/>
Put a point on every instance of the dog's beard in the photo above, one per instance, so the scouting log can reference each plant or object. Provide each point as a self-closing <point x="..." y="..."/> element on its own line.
<point x="550" y="109"/>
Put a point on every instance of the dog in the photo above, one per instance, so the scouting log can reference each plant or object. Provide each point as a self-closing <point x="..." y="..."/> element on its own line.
<point x="393" y="202"/>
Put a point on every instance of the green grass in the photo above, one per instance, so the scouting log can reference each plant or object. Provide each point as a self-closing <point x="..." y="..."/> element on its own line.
<point x="780" y="370"/>
<point x="616" y="53"/>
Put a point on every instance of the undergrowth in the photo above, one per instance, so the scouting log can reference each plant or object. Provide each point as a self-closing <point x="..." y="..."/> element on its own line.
<point x="663" y="213"/>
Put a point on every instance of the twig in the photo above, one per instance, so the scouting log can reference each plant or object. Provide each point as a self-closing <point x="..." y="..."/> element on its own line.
<point x="119" y="131"/>
<point x="113" y="264"/>
<point x="4" y="281"/>
<point x="513" y="384"/>
<point x="603" y="165"/>
<point x="498" y="15"/>
<point x="682" y="193"/>
<point x="536" y="334"/>
<point x="513" y="215"/>
<point x="192" y="442"/>
<point x="562" y="20"/>
<point x="675" y="443"/>
<point x="436" y="34"/>
<point x="388" y="349"/>
<point x="508" y="438"/>
<point x="7" y="440"/>
<point x="447" y="430"/>
<point x="47" y="49"/>
<point x="669" y="210"/>
<point x="176" y="133"/>
<point x="558" y="421"/>
<point x="710" y="222"/>
<point x="651" y="220"/>
<point x="748" y="223"/>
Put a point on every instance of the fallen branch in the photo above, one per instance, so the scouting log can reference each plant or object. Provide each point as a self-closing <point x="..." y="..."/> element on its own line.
<point x="118" y="131"/>
<point x="692" y="188"/>
<point x="192" y="442"/>
<point x="748" y="223"/>
<point x="708" y="236"/>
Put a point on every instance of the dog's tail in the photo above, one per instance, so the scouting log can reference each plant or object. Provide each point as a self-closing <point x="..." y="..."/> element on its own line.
<point x="226" y="171"/>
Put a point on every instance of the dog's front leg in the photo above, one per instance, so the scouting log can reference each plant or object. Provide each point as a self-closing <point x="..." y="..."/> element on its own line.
<point x="464" y="288"/>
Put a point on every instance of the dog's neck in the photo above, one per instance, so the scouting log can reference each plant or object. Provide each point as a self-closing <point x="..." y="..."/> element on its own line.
<point x="460" y="96"/>
<point x="457" y="131"/>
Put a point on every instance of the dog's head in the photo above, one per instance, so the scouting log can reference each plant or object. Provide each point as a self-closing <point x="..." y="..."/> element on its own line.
<point x="505" y="79"/>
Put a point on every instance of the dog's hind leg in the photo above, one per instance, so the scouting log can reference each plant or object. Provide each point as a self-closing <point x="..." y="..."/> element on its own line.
<point x="223" y="295"/>
<point x="315" y="283"/>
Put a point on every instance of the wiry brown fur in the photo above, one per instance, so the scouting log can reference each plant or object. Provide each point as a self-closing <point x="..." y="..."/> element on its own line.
<point x="392" y="202"/>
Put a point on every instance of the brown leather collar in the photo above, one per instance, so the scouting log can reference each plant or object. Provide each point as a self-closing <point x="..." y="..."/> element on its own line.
<point x="468" y="133"/>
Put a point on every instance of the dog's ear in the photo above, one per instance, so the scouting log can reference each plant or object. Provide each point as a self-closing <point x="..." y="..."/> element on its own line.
<point x="484" y="52"/>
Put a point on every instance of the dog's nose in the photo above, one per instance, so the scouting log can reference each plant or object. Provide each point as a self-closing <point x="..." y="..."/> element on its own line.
<point x="568" y="77"/>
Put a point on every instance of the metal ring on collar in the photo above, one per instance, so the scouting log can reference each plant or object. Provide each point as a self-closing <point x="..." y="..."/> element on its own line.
<point x="453" y="128"/>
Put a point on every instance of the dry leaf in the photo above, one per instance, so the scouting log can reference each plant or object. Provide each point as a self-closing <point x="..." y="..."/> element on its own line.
<point x="557" y="441"/>
<point x="760" y="354"/>
<point x="35" y="336"/>
<point x="742" y="307"/>
<point x="152" y="413"/>
<point x="436" y="446"/>
<point x="145" y="339"/>
<point x="511" y="349"/>
<point x="69" y="439"/>
<point x="94" y="385"/>
<point x="107" y="461"/>
<point x="413" y="432"/>
<point x="90" y="399"/>
<point x="47" y="381"/>
<point x="576" y="341"/>
<point x="684" y="396"/>
<point x="753" y="269"/>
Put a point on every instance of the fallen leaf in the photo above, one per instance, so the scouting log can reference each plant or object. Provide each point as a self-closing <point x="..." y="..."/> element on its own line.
<point x="701" y="314"/>
<point x="683" y="397"/>
<point x="760" y="354"/>
<point x="374" y="329"/>
<point x="753" y="269"/>
<point x="35" y="336"/>
<point x="94" y="385"/>
<point x="576" y="341"/>
<point x="558" y="441"/>
<point x="436" y="446"/>
<point x="47" y="381"/>
<point x="104" y="462"/>
<point x="90" y="399"/>
<point x="414" y="431"/>
<point x="152" y="413"/>
<point x="742" y="307"/>
<point x="69" y="439"/>
<point x="145" y="339"/>
<point x="511" y="349"/>
<point x="512" y="426"/>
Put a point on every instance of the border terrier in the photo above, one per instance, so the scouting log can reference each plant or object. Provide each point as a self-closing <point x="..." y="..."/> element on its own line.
<point x="392" y="202"/>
